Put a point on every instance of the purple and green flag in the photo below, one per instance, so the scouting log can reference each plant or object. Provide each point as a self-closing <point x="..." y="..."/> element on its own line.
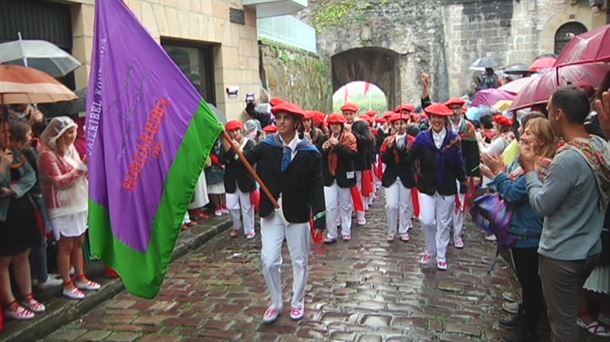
<point x="149" y="133"/>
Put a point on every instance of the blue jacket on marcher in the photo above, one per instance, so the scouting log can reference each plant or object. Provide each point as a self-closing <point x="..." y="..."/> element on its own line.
<point x="526" y="223"/>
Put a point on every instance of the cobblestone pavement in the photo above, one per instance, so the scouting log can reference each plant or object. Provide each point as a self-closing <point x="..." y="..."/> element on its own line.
<point x="363" y="290"/>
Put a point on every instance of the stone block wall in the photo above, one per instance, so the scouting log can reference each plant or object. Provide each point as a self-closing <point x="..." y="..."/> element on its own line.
<point x="296" y="75"/>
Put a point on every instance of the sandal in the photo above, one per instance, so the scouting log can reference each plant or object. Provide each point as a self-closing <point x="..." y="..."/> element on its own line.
<point x="15" y="311"/>
<point x="594" y="328"/>
<point x="32" y="304"/>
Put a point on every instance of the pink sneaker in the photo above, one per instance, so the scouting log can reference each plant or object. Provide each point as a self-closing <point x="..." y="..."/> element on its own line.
<point x="425" y="260"/>
<point x="251" y="236"/>
<point x="458" y="243"/>
<point x="297" y="314"/>
<point x="271" y="315"/>
<point x="234" y="233"/>
<point x="390" y="237"/>
<point x="441" y="265"/>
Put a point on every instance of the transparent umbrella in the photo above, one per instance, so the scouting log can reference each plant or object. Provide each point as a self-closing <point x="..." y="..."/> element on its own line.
<point x="38" y="54"/>
<point x="484" y="62"/>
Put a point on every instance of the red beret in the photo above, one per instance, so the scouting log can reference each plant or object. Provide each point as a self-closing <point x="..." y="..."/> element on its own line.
<point x="270" y="129"/>
<point x="351" y="107"/>
<point x="405" y="106"/>
<point x="276" y="101"/>
<point x="318" y="118"/>
<point x="371" y="113"/>
<point x="233" y="125"/>
<point x="503" y="121"/>
<point x="455" y="101"/>
<point x="438" y="109"/>
<point x="398" y="116"/>
<point x="309" y="114"/>
<point x="379" y="120"/>
<point x="388" y="115"/>
<point x="335" y="118"/>
<point x="290" y="108"/>
<point x="366" y="118"/>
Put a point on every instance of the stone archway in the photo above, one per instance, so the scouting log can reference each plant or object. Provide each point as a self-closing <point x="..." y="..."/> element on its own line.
<point x="376" y="65"/>
<point x="565" y="32"/>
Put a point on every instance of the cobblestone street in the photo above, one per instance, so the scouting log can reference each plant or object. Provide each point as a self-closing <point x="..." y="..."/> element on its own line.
<point x="365" y="290"/>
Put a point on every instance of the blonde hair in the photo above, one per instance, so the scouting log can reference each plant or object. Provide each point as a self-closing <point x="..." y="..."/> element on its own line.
<point x="541" y="128"/>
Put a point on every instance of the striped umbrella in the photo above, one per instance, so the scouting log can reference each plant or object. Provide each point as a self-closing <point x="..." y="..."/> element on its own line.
<point x="21" y="85"/>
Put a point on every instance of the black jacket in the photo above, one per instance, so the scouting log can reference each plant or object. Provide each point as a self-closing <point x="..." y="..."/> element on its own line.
<point x="439" y="169"/>
<point x="345" y="175"/>
<point x="236" y="173"/>
<point x="300" y="184"/>
<point x="403" y="169"/>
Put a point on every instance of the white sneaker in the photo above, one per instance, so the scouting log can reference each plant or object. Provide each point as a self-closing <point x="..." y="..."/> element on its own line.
<point x="491" y="237"/>
<point x="51" y="282"/>
<point x="360" y="218"/>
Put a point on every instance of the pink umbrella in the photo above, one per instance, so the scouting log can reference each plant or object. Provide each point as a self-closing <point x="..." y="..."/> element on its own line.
<point x="542" y="63"/>
<point x="587" y="47"/>
<point x="489" y="97"/>
<point x="539" y="89"/>
<point x="516" y="85"/>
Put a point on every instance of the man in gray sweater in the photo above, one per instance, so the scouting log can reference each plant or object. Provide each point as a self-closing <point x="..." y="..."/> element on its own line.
<point x="572" y="199"/>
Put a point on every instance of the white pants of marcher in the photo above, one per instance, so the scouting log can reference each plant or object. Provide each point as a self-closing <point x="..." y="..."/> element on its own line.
<point x="458" y="216"/>
<point x="399" y="207"/>
<point x="239" y="203"/>
<point x="298" y="237"/>
<point x="436" y="213"/>
<point x="339" y="208"/>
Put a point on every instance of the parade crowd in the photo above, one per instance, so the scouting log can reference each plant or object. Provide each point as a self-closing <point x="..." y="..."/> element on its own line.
<point x="549" y="168"/>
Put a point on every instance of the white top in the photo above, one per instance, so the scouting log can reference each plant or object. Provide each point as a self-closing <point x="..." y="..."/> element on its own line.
<point x="439" y="137"/>
<point x="292" y="145"/>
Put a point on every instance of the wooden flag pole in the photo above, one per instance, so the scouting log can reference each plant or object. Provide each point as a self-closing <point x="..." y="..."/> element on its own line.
<point x="250" y="169"/>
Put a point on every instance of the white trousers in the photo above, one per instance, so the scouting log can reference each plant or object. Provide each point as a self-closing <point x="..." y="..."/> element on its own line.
<point x="298" y="237"/>
<point x="399" y="207"/>
<point x="339" y="208"/>
<point x="458" y="217"/>
<point x="436" y="213"/>
<point x="240" y="206"/>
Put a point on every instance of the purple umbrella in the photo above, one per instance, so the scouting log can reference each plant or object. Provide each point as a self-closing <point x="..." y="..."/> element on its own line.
<point x="489" y="97"/>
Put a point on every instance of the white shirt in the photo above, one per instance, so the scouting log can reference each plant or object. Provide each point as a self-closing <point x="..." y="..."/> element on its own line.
<point x="292" y="145"/>
<point x="439" y="137"/>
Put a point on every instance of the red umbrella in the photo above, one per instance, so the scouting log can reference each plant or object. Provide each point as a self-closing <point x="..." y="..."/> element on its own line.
<point x="541" y="87"/>
<point x="516" y="85"/>
<point x="489" y="97"/>
<point x="542" y="63"/>
<point x="587" y="47"/>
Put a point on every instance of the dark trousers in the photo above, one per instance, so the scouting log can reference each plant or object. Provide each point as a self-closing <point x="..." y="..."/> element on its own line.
<point x="561" y="284"/>
<point x="526" y="267"/>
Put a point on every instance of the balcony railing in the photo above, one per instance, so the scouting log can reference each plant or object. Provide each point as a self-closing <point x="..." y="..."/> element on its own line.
<point x="274" y="8"/>
<point x="288" y="30"/>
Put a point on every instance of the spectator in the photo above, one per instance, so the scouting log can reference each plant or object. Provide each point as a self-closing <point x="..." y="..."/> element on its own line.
<point x="63" y="179"/>
<point x="490" y="79"/>
<point x="18" y="234"/>
<point x="214" y="176"/>
<point x="525" y="225"/>
<point x="573" y="199"/>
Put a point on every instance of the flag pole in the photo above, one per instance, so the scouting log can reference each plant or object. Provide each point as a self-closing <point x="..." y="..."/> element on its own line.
<point x="251" y="170"/>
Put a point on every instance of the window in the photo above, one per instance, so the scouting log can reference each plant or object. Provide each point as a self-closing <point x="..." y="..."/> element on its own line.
<point x="565" y="33"/>
<point x="196" y="62"/>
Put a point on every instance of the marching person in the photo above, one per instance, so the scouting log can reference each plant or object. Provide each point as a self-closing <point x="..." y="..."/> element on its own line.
<point x="239" y="183"/>
<point x="314" y="134"/>
<point x="338" y="152"/>
<point x="398" y="178"/>
<point x="350" y="110"/>
<point x="438" y="151"/>
<point x="470" y="152"/>
<point x="290" y="167"/>
<point x="363" y="163"/>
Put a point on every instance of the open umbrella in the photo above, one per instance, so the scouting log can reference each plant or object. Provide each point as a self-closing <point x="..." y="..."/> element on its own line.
<point x="542" y="64"/>
<point x="502" y="105"/>
<point x="539" y="89"/>
<point x="38" y="54"/>
<point x="516" y="85"/>
<point x="517" y="69"/>
<point x="27" y="85"/>
<point x="489" y="97"/>
<point x="484" y="62"/>
<point x="588" y="47"/>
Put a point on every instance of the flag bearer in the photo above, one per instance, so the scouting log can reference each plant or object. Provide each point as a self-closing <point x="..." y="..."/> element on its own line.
<point x="290" y="167"/>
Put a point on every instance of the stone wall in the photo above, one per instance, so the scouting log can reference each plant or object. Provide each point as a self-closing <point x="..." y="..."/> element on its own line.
<point x="296" y="75"/>
<point x="443" y="37"/>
